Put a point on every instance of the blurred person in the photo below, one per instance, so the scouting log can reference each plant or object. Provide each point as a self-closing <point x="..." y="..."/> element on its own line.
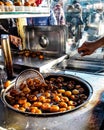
<point x="39" y="21"/>
<point x="89" y="47"/>
<point x="42" y="21"/>
<point x="59" y="13"/>
<point x="8" y="26"/>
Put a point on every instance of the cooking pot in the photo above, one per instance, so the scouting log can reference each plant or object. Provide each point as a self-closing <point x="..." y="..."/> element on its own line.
<point x="40" y="120"/>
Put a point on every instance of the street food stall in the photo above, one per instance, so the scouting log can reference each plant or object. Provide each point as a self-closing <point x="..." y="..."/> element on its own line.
<point x="74" y="89"/>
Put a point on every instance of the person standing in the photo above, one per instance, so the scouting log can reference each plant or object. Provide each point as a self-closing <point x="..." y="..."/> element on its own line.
<point x="59" y="13"/>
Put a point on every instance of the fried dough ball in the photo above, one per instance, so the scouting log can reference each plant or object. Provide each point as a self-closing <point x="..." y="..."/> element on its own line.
<point x="70" y="107"/>
<point x="41" y="57"/>
<point x="72" y="103"/>
<point x="81" y="90"/>
<point x="47" y="100"/>
<point x="33" y="109"/>
<point x="75" y="91"/>
<point x="30" y="82"/>
<point x="36" y="80"/>
<point x="38" y="111"/>
<point x="14" y="92"/>
<point x="68" y="93"/>
<point x="10" y="99"/>
<point x="18" y="3"/>
<point x="63" y="104"/>
<point x="32" y="98"/>
<point x="45" y="106"/>
<point x="46" y="94"/>
<point x="26" y="105"/>
<point x="74" y="97"/>
<point x="22" y="85"/>
<point x="41" y="99"/>
<point x="64" y="99"/>
<point x="22" y="100"/>
<point x="16" y="106"/>
<point x="22" y="109"/>
<point x="56" y="98"/>
<point x="37" y="104"/>
<point x="62" y="109"/>
<point x="61" y="90"/>
<point x="54" y="108"/>
<point x="83" y="96"/>
<point x="1" y="3"/>
<point x="78" y="86"/>
<point x="26" y="90"/>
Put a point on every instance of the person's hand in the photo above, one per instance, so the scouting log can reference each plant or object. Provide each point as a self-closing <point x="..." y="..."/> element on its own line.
<point x="15" y="40"/>
<point x="87" y="48"/>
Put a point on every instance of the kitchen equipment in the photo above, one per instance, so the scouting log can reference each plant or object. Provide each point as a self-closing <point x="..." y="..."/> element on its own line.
<point x="87" y="87"/>
<point x="26" y="74"/>
<point x="48" y="40"/>
<point x="7" y="55"/>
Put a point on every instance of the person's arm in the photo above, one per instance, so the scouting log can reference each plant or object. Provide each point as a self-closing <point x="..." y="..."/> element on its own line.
<point x="6" y="27"/>
<point x="89" y="47"/>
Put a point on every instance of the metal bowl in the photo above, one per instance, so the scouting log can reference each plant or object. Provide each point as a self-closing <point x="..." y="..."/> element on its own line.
<point x="87" y="87"/>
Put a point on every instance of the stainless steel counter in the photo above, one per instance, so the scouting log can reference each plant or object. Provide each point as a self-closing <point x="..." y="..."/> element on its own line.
<point x="88" y="117"/>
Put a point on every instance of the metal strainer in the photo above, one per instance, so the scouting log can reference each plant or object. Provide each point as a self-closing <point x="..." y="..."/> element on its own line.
<point x="28" y="73"/>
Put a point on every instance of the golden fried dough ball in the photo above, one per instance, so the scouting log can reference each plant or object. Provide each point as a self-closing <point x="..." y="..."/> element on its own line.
<point x="75" y="91"/>
<point x="36" y="80"/>
<point x="16" y="106"/>
<point x="62" y="109"/>
<point x="78" y="86"/>
<point x="72" y="103"/>
<point x="41" y="57"/>
<point x="61" y="90"/>
<point x="41" y="99"/>
<point x="26" y="90"/>
<point x="18" y="3"/>
<point x="22" y="109"/>
<point x="81" y="90"/>
<point x="64" y="99"/>
<point x="33" y="109"/>
<point x="1" y="3"/>
<point x="54" y="108"/>
<point x="46" y="94"/>
<point x="68" y="93"/>
<point x="56" y="98"/>
<point x="32" y="98"/>
<point x="83" y="96"/>
<point x="14" y="92"/>
<point x="22" y="85"/>
<point x="70" y="107"/>
<point x="63" y="104"/>
<point x="26" y="105"/>
<point x="45" y="106"/>
<point x="38" y="111"/>
<point x="37" y="104"/>
<point x="47" y="100"/>
<point x="22" y="100"/>
<point x="30" y="82"/>
<point x="74" y="97"/>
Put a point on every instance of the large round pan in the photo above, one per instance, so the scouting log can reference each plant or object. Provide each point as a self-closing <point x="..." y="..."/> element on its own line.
<point x="88" y="90"/>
